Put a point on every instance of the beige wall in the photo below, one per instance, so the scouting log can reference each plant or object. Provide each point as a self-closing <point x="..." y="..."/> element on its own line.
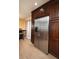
<point x="22" y="23"/>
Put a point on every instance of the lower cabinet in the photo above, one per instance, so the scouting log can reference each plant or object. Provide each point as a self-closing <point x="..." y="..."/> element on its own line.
<point x="54" y="37"/>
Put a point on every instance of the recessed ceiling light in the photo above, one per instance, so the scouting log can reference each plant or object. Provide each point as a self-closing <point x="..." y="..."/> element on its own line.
<point x="35" y="3"/>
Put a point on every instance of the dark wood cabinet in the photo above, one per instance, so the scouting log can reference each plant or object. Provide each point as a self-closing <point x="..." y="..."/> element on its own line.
<point x="50" y="9"/>
<point x="54" y="37"/>
<point x="54" y="10"/>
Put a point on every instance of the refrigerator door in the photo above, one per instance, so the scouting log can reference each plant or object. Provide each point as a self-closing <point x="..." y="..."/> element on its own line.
<point x="42" y="33"/>
<point x="36" y="34"/>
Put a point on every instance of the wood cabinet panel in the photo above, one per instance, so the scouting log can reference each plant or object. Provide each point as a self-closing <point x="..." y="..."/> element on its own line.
<point x="54" y="10"/>
<point x="54" y="38"/>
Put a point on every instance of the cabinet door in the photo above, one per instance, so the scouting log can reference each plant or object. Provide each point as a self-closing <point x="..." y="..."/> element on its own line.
<point x="54" y="38"/>
<point x="54" y="10"/>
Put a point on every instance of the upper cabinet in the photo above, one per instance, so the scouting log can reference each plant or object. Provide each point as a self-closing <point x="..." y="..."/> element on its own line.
<point x="40" y="12"/>
<point x="54" y="10"/>
<point x="49" y="9"/>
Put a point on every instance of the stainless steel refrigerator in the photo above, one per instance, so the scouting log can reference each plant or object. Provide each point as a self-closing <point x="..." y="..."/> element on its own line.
<point x="42" y="33"/>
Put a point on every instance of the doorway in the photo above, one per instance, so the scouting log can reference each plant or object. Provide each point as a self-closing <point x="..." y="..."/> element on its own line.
<point x="28" y="30"/>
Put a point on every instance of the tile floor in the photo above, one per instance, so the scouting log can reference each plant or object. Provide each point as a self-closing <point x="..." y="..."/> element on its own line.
<point x="28" y="51"/>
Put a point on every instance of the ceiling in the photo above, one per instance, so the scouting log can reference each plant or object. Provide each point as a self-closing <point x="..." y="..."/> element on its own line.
<point x="26" y="6"/>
